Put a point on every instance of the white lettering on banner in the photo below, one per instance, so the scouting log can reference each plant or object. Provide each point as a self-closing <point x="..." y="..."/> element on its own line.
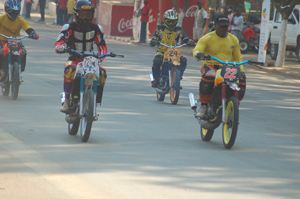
<point x="191" y="12"/>
<point x="125" y="25"/>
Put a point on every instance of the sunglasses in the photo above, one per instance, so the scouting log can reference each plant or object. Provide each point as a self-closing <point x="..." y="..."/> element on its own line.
<point x="84" y="14"/>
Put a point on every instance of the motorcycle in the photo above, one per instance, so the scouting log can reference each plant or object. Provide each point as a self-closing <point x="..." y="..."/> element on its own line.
<point x="169" y="80"/>
<point x="249" y="38"/>
<point x="84" y="92"/>
<point x="224" y="105"/>
<point x="13" y="78"/>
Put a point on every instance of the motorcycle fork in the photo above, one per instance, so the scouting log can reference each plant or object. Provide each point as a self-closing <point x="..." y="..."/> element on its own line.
<point x="10" y="66"/>
<point x="224" y="99"/>
<point x="82" y="91"/>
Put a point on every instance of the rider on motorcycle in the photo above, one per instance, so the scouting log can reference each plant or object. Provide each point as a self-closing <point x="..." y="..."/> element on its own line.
<point x="224" y="46"/>
<point x="168" y="33"/>
<point x="80" y="35"/>
<point x="10" y="25"/>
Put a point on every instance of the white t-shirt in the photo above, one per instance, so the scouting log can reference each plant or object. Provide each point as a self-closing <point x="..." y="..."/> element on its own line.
<point x="204" y="16"/>
<point x="238" y="21"/>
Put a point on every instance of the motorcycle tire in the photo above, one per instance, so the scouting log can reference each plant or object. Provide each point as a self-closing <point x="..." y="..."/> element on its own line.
<point x="244" y="46"/>
<point x="274" y="51"/>
<point x="5" y="90"/>
<point x="73" y="128"/>
<point x="175" y="86"/>
<point x="87" y="118"/>
<point x="160" y="96"/>
<point x="15" y="81"/>
<point x="230" y="127"/>
<point x="206" y="134"/>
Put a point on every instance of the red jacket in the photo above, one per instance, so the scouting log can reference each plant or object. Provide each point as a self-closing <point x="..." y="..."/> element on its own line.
<point x="145" y="15"/>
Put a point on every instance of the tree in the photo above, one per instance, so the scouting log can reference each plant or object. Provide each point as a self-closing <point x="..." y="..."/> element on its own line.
<point x="285" y="8"/>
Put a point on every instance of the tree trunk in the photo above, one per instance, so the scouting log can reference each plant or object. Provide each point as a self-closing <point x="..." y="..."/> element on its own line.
<point x="282" y="43"/>
<point x="174" y="3"/>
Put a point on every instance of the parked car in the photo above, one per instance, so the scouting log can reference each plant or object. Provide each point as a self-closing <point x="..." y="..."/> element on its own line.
<point x="293" y="33"/>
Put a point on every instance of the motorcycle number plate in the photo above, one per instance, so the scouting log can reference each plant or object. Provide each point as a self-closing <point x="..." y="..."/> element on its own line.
<point x="173" y="55"/>
<point x="230" y="73"/>
<point x="88" y="65"/>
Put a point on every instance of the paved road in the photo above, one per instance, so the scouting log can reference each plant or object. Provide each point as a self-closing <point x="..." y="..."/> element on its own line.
<point x="141" y="148"/>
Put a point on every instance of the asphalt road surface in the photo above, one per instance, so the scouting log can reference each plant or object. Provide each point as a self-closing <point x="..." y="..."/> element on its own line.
<point x="141" y="148"/>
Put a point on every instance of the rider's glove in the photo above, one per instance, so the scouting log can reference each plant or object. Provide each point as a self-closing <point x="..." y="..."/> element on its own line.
<point x="200" y="56"/>
<point x="191" y="43"/>
<point x="152" y="42"/>
<point x="61" y="48"/>
<point x="35" y="36"/>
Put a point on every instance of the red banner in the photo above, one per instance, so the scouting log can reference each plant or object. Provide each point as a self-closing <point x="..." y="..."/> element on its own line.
<point x="189" y="18"/>
<point x="153" y="16"/>
<point x="121" y="24"/>
<point x="116" y="20"/>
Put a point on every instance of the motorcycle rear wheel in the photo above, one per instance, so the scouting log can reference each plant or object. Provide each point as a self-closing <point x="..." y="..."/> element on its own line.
<point x="15" y="81"/>
<point x="206" y="134"/>
<point x="230" y="128"/>
<point x="160" y="96"/>
<point x="175" y="86"/>
<point x="87" y="118"/>
<point x="73" y="128"/>
<point x="244" y="46"/>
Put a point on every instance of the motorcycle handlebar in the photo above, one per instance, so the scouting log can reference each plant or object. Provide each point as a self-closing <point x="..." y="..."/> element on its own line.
<point x="86" y="53"/>
<point x="208" y="57"/>
<point x="19" y="38"/>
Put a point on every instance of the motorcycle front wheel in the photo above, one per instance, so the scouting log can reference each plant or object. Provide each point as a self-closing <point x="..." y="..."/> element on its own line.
<point x="87" y="118"/>
<point x="206" y="134"/>
<point x="230" y="127"/>
<point x="15" y="81"/>
<point x="175" y="86"/>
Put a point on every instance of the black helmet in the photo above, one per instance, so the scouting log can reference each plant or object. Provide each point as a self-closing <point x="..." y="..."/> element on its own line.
<point x="84" y="12"/>
<point x="170" y="19"/>
<point x="12" y="9"/>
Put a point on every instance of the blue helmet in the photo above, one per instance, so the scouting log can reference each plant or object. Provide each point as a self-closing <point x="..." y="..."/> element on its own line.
<point x="12" y="9"/>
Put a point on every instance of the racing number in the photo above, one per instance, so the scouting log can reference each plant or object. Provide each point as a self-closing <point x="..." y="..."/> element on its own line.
<point x="230" y="73"/>
<point x="14" y="44"/>
<point x="175" y="53"/>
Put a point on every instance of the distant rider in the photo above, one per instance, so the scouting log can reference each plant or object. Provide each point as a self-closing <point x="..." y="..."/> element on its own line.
<point x="10" y="25"/>
<point x="168" y="33"/>
<point x="224" y="46"/>
<point x="80" y="35"/>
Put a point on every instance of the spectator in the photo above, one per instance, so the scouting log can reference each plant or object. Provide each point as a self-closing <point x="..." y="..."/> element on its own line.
<point x="70" y="6"/>
<point x="42" y="10"/>
<point x="200" y="22"/>
<point x="144" y="19"/>
<point x="28" y="8"/>
<point x="237" y="23"/>
<point x="63" y="12"/>
<point x="180" y="13"/>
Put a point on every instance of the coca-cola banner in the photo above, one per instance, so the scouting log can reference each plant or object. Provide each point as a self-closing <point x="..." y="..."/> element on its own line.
<point x="188" y="20"/>
<point x="116" y="20"/>
<point x="121" y="23"/>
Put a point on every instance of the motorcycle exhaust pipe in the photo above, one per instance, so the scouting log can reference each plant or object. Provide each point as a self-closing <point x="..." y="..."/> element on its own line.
<point x="151" y="77"/>
<point x="62" y="98"/>
<point x="193" y="102"/>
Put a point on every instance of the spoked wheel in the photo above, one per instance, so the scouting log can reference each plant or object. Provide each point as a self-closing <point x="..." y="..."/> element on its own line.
<point x="15" y="81"/>
<point x="232" y="120"/>
<point x="160" y="96"/>
<point x="175" y="86"/>
<point x="87" y="118"/>
<point x="206" y="134"/>
<point x="73" y="128"/>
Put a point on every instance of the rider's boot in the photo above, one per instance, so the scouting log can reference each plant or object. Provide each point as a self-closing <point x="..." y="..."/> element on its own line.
<point x="154" y="83"/>
<point x="202" y="111"/>
<point x="66" y="105"/>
